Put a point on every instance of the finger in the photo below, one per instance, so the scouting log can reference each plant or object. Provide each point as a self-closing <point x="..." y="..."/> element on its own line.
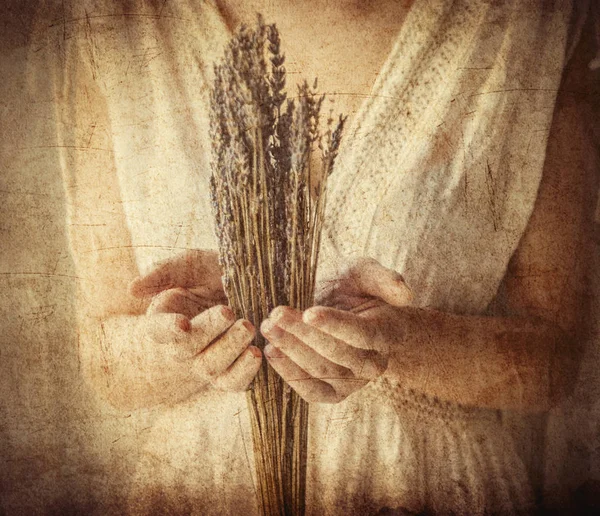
<point x="160" y="336"/>
<point x="376" y="280"/>
<point x="239" y="375"/>
<point x="188" y="269"/>
<point x="204" y="329"/>
<point x="219" y="356"/>
<point x="341" y="379"/>
<point x="309" y="388"/>
<point x="180" y="301"/>
<point x="361" y="360"/>
<point x="164" y="328"/>
<point x="345" y="326"/>
<point x="300" y="342"/>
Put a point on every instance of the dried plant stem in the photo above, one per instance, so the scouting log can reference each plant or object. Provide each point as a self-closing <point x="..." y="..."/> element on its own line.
<point x="268" y="223"/>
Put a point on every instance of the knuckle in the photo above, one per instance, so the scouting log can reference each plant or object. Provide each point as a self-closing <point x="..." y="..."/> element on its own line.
<point x="208" y="371"/>
<point x="179" y="352"/>
<point x="200" y="375"/>
<point x="210" y="375"/>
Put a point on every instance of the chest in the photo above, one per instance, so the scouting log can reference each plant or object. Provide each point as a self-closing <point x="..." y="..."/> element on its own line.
<point x="347" y="64"/>
<point x="345" y="48"/>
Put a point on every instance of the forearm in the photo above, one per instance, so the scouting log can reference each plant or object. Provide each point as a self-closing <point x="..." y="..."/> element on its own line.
<point x="494" y="362"/>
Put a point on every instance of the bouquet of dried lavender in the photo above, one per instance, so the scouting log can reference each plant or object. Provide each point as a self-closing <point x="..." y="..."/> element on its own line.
<point x="269" y="199"/>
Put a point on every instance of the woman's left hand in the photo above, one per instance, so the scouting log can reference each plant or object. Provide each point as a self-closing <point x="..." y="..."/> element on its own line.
<point x="327" y="353"/>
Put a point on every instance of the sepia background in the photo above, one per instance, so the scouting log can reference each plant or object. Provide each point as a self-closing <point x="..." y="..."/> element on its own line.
<point x="62" y="449"/>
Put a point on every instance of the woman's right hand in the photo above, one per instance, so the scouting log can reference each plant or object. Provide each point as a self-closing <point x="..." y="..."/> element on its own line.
<point x="176" y="357"/>
<point x="185" y="344"/>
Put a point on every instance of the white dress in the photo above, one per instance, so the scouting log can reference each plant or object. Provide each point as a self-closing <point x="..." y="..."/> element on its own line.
<point x="437" y="177"/>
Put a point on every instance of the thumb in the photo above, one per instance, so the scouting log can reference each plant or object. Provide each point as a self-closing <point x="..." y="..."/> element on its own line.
<point x="192" y="268"/>
<point x="376" y="280"/>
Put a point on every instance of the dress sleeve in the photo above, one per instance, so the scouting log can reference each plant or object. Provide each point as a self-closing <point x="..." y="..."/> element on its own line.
<point x="130" y="82"/>
<point x="61" y="65"/>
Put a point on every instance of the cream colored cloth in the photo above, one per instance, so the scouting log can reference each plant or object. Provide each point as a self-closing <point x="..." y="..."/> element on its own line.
<point x="436" y="177"/>
<point x="446" y="156"/>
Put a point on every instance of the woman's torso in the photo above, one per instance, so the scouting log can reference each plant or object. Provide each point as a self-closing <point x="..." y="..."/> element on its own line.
<point x="152" y="72"/>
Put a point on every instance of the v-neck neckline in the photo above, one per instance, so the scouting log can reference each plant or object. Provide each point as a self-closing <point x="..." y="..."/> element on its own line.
<point x="369" y="98"/>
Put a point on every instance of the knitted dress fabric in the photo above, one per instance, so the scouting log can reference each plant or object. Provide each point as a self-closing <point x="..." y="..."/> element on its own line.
<point x="437" y="177"/>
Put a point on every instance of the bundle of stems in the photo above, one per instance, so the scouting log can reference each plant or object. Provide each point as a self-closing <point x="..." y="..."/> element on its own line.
<point x="268" y="197"/>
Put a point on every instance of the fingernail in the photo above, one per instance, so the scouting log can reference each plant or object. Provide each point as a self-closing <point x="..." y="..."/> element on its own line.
<point x="248" y="325"/>
<point x="255" y="351"/>
<point x="227" y="312"/>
